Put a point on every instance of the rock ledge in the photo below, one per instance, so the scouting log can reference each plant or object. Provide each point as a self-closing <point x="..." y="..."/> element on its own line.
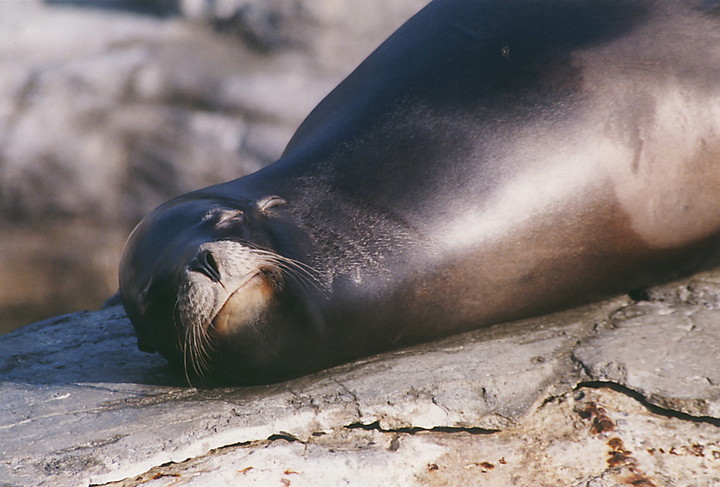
<point x="603" y="395"/>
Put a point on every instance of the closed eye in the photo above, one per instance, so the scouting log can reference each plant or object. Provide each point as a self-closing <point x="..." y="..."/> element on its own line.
<point x="272" y="201"/>
<point x="222" y="217"/>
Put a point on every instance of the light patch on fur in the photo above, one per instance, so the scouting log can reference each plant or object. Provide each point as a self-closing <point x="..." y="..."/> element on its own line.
<point x="554" y="175"/>
<point x="648" y="142"/>
<point x="657" y="96"/>
<point x="671" y="194"/>
<point x="244" y="306"/>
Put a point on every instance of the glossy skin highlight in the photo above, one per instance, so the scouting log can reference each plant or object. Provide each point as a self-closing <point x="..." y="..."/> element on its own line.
<point x="492" y="160"/>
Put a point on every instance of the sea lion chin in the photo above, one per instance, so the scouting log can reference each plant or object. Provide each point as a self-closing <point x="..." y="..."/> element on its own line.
<point x="492" y="160"/>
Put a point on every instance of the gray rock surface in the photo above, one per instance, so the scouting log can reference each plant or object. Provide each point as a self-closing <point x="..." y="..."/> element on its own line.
<point x="616" y="393"/>
<point x="690" y="336"/>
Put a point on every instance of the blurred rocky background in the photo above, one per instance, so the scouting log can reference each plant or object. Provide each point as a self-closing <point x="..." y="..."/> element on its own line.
<point x="110" y="107"/>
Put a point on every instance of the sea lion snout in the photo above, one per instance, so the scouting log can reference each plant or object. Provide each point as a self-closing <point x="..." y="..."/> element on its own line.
<point x="221" y="279"/>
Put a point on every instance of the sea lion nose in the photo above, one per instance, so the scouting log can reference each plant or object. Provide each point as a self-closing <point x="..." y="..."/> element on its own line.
<point x="206" y="264"/>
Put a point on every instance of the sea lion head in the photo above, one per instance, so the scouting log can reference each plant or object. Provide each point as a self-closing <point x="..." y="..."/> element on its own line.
<point x="219" y="287"/>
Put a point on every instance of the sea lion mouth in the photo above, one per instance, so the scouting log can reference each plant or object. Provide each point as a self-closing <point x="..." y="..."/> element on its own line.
<point x="227" y="290"/>
<point x="244" y="305"/>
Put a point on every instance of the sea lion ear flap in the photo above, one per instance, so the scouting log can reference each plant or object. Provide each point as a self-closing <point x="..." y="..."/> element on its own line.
<point x="267" y="202"/>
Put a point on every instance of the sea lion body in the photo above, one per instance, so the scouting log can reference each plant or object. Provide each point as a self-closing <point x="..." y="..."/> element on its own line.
<point x="492" y="160"/>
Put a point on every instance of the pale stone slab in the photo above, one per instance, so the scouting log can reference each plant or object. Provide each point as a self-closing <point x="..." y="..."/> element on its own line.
<point x="557" y="444"/>
<point x="83" y="405"/>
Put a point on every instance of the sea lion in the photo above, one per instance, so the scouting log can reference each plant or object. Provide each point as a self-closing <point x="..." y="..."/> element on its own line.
<point x="492" y="160"/>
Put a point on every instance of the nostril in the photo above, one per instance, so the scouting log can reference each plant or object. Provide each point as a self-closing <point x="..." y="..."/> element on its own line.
<point x="206" y="264"/>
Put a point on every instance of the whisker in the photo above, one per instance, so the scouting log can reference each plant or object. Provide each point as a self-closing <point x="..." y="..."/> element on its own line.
<point x="185" y="352"/>
<point x="199" y="344"/>
<point x="301" y="272"/>
<point x="195" y="343"/>
<point x="178" y="320"/>
<point x="302" y="278"/>
<point x="306" y="268"/>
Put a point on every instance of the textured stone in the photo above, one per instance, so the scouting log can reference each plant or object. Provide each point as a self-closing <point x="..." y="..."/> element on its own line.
<point x="87" y="406"/>
<point x="508" y="405"/>
<point x="667" y="353"/>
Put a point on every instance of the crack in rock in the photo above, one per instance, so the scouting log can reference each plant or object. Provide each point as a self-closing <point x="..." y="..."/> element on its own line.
<point x="375" y="426"/>
<point x="353" y="396"/>
<point x="650" y="406"/>
<point x="663" y="351"/>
